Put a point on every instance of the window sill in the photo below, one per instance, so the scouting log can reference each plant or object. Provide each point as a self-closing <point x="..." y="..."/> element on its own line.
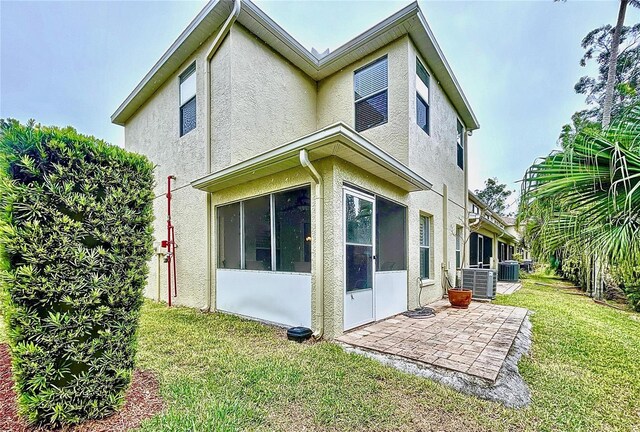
<point x="427" y="282"/>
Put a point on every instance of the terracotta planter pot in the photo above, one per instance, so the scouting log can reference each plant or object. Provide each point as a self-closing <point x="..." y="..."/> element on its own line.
<point x="460" y="298"/>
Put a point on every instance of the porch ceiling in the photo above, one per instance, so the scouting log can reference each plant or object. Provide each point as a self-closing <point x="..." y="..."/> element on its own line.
<point x="336" y="140"/>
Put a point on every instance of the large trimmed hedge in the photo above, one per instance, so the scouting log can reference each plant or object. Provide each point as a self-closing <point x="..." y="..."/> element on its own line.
<point x="75" y="236"/>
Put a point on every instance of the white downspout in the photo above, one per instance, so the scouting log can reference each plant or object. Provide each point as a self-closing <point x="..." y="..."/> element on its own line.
<point x="319" y="242"/>
<point x="224" y="30"/>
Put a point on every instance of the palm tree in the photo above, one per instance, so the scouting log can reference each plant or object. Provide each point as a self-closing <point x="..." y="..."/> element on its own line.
<point x="584" y="201"/>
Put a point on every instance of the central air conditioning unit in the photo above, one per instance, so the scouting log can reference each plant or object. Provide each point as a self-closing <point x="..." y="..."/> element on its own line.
<point x="482" y="282"/>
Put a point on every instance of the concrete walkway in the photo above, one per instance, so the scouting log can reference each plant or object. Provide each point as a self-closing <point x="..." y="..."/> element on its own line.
<point x="508" y="287"/>
<point x="472" y="341"/>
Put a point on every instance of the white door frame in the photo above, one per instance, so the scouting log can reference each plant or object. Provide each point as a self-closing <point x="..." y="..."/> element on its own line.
<point x="371" y="198"/>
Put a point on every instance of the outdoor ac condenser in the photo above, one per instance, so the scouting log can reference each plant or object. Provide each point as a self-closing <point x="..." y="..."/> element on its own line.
<point x="482" y="282"/>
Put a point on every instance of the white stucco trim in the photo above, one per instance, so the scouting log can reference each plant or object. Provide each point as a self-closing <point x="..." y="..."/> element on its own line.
<point x="334" y="140"/>
<point x="409" y="20"/>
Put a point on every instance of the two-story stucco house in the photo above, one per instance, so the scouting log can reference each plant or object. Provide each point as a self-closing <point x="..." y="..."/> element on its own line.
<point x="323" y="190"/>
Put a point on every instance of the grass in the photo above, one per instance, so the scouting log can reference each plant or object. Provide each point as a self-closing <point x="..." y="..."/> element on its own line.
<point x="220" y="372"/>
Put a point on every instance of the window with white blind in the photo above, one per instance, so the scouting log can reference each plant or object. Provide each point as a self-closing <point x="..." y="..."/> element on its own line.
<point x="425" y="247"/>
<point x="188" y="100"/>
<point x="422" y="97"/>
<point x="460" y="144"/>
<point x="370" y="93"/>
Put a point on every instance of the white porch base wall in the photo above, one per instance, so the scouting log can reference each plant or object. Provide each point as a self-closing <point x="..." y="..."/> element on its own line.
<point x="391" y="293"/>
<point x="358" y="308"/>
<point x="282" y="298"/>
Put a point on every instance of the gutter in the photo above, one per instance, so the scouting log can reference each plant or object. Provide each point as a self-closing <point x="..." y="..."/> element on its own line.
<point x="224" y="30"/>
<point x="319" y="241"/>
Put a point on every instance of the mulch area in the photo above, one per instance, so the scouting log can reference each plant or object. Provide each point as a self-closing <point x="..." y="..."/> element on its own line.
<point x="142" y="402"/>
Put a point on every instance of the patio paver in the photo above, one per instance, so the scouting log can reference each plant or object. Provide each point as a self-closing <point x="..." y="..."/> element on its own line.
<point x="474" y="341"/>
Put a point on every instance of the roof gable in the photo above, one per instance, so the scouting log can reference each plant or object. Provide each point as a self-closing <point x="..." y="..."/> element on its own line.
<point x="408" y="20"/>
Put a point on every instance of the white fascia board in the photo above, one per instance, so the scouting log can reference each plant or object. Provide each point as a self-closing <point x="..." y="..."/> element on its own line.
<point x="328" y="136"/>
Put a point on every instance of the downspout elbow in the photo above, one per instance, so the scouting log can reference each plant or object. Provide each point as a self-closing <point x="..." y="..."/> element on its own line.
<point x="319" y="241"/>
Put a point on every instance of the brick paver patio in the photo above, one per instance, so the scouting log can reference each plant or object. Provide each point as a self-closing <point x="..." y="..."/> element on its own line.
<point x="474" y="341"/>
<point x="508" y="287"/>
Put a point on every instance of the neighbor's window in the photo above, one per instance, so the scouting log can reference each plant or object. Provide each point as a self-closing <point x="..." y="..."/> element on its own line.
<point x="188" y="100"/>
<point x="279" y="222"/>
<point x="460" y="144"/>
<point x="458" y="247"/>
<point x="370" y="89"/>
<point x="229" y="236"/>
<point x="425" y="238"/>
<point x="422" y="97"/>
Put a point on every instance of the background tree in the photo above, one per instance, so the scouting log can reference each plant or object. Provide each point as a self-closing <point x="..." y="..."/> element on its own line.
<point x="616" y="51"/>
<point x="613" y="57"/>
<point x="495" y="195"/>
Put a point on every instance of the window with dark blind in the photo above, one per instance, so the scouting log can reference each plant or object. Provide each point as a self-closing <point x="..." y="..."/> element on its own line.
<point x="458" y="247"/>
<point x="370" y="93"/>
<point x="460" y="144"/>
<point x="425" y="242"/>
<point x="422" y="97"/>
<point x="422" y="113"/>
<point x="188" y="100"/>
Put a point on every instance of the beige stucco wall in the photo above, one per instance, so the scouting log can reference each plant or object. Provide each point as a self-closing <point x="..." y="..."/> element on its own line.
<point x="336" y="100"/>
<point x="434" y="155"/>
<point x="259" y="100"/>
<point x="154" y="131"/>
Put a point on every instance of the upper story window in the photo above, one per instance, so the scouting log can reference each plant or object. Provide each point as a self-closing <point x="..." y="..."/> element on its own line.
<point x="460" y="144"/>
<point x="370" y="89"/>
<point x="422" y="97"/>
<point x="188" y="100"/>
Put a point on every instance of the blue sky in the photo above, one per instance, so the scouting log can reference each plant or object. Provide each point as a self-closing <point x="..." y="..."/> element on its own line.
<point x="74" y="62"/>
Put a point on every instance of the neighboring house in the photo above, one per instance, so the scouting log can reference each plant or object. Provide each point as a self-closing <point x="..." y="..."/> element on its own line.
<point x="322" y="190"/>
<point x="493" y="238"/>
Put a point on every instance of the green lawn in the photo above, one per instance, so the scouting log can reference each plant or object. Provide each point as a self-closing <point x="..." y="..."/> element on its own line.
<point x="219" y="372"/>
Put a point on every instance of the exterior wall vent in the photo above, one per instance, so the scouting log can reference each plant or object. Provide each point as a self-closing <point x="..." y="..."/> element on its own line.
<point x="482" y="282"/>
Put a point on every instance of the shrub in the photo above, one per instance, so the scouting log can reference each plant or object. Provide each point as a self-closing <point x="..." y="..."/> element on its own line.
<point x="75" y="236"/>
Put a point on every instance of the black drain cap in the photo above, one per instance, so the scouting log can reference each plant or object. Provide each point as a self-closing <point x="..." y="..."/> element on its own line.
<point x="299" y="334"/>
